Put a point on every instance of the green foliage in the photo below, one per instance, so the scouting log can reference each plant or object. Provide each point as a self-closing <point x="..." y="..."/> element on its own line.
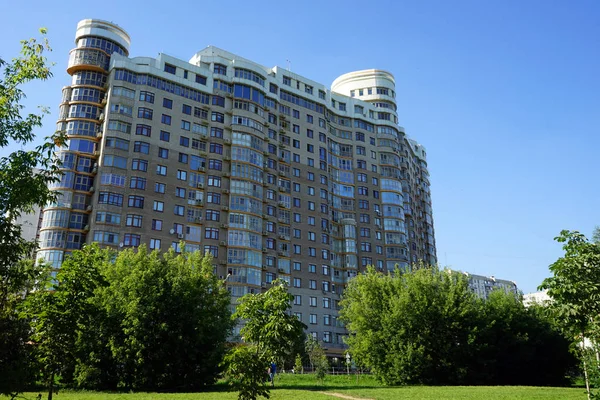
<point x="20" y="190"/>
<point x="136" y="320"/>
<point x="428" y="327"/>
<point x="268" y="323"/>
<point x="60" y="311"/>
<point x="247" y="372"/>
<point x="298" y="368"/>
<point x="575" y="292"/>
<point x="416" y="327"/>
<point x="270" y="332"/>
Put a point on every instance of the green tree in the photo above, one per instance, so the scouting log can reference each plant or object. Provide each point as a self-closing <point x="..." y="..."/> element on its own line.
<point x="166" y="320"/>
<point x="575" y="291"/>
<point x="417" y="327"/>
<point x="20" y="190"/>
<point x="62" y="310"/>
<point x="298" y="368"/>
<point x="513" y="338"/>
<point x="269" y="331"/>
<point x="317" y="357"/>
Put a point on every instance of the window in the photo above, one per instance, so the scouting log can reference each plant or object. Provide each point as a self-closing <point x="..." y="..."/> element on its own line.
<point x="313" y="302"/>
<point x="165" y="136"/>
<point x="184" y="141"/>
<point x="158" y="206"/>
<point x="220" y="69"/>
<point x="217" y="117"/>
<point x="139" y="165"/>
<point x="145" y="113"/>
<point x="183" y="158"/>
<point x="297" y="300"/>
<point x="312" y="284"/>
<point x="134" y="220"/>
<point x="186" y="109"/>
<point x="141" y="147"/>
<point x="155" y="244"/>
<point x="136" y="201"/>
<point x="130" y="239"/>
<point x="297" y="266"/>
<point x="180" y="192"/>
<point x="185" y="125"/>
<point x="161" y="170"/>
<point x="163" y="153"/>
<point x="110" y="198"/>
<point x="147" y="97"/>
<point x="137" y="182"/>
<point x="179" y="210"/>
<point x="287" y="80"/>
<point x="159" y="187"/>
<point x="167" y="103"/>
<point x="211" y="233"/>
<point x="182" y="175"/>
<point x="171" y="69"/>
<point x="201" y="79"/>
<point x="312" y="319"/>
<point x="297" y="282"/>
<point x="165" y="119"/>
<point x="143" y="130"/>
<point x="157" y="225"/>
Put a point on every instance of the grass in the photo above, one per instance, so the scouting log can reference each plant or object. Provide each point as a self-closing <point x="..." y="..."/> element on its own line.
<point x="300" y="387"/>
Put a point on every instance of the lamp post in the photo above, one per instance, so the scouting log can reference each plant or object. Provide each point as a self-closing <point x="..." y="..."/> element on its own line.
<point x="348" y="363"/>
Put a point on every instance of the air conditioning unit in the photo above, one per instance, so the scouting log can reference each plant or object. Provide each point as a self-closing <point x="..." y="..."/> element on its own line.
<point x="263" y="285"/>
<point x="223" y="243"/>
<point x="91" y="189"/>
<point x="180" y="235"/>
<point x="225" y="208"/>
<point x="265" y="249"/>
<point x="96" y="153"/>
<point x="198" y="219"/>
<point x="264" y="267"/>
<point x="281" y="204"/>
<point x="227" y="141"/>
<point x="227" y="174"/>
<point x="265" y="233"/>
<point x="200" y="185"/>
<point x="99" y="134"/>
<point x="281" y="271"/>
<point x="199" y="203"/>
<point x="101" y="117"/>
<point x="201" y="169"/>
<point x="86" y="228"/>
<point x="88" y="208"/>
<point x="224" y="226"/>
<point x="227" y="158"/>
<point x="282" y="237"/>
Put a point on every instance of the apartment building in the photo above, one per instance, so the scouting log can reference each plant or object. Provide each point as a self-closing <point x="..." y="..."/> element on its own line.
<point x="482" y="285"/>
<point x="275" y="175"/>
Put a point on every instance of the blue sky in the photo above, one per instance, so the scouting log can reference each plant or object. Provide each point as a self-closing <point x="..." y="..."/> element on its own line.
<point x="505" y="95"/>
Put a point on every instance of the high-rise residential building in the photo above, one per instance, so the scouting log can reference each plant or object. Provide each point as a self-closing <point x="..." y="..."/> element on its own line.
<point x="483" y="285"/>
<point x="277" y="176"/>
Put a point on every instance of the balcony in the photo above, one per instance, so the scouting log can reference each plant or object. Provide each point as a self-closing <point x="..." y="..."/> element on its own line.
<point x="87" y="59"/>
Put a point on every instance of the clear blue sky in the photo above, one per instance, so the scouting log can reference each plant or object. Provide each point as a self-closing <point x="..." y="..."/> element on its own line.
<point x="505" y="95"/>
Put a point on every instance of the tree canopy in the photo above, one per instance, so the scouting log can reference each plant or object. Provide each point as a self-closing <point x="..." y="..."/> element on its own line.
<point x="428" y="327"/>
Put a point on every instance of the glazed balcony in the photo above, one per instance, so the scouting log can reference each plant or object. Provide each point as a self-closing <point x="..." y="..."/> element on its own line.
<point x="87" y="59"/>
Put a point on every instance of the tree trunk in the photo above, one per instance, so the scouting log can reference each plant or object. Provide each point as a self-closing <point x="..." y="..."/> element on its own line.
<point x="51" y="386"/>
<point x="585" y="372"/>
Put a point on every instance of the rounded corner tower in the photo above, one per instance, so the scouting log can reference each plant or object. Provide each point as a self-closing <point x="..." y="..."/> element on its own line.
<point x="65" y="221"/>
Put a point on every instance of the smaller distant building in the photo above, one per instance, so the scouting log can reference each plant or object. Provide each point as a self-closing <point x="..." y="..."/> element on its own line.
<point x="30" y="224"/>
<point x="541" y="298"/>
<point x="482" y="285"/>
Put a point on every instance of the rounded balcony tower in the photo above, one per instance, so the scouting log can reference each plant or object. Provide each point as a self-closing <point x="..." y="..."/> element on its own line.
<point x="81" y="117"/>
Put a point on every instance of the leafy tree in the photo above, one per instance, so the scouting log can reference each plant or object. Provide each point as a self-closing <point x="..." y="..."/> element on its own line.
<point x="318" y="360"/>
<point x="575" y="291"/>
<point x="414" y="327"/>
<point x="20" y="190"/>
<point x="298" y="368"/>
<point x="518" y="345"/>
<point x="166" y="320"/>
<point x="270" y="331"/>
<point x="62" y="310"/>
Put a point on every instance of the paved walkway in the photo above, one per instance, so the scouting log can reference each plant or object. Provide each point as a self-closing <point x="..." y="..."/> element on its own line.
<point x="343" y="396"/>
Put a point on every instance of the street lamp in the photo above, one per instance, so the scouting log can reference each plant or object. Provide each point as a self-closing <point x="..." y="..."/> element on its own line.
<point x="348" y="362"/>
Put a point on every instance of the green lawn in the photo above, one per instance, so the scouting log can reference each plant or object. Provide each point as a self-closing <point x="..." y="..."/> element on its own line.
<point x="298" y="387"/>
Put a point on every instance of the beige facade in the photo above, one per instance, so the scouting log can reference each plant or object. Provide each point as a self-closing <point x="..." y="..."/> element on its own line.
<point x="274" y="174"/>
